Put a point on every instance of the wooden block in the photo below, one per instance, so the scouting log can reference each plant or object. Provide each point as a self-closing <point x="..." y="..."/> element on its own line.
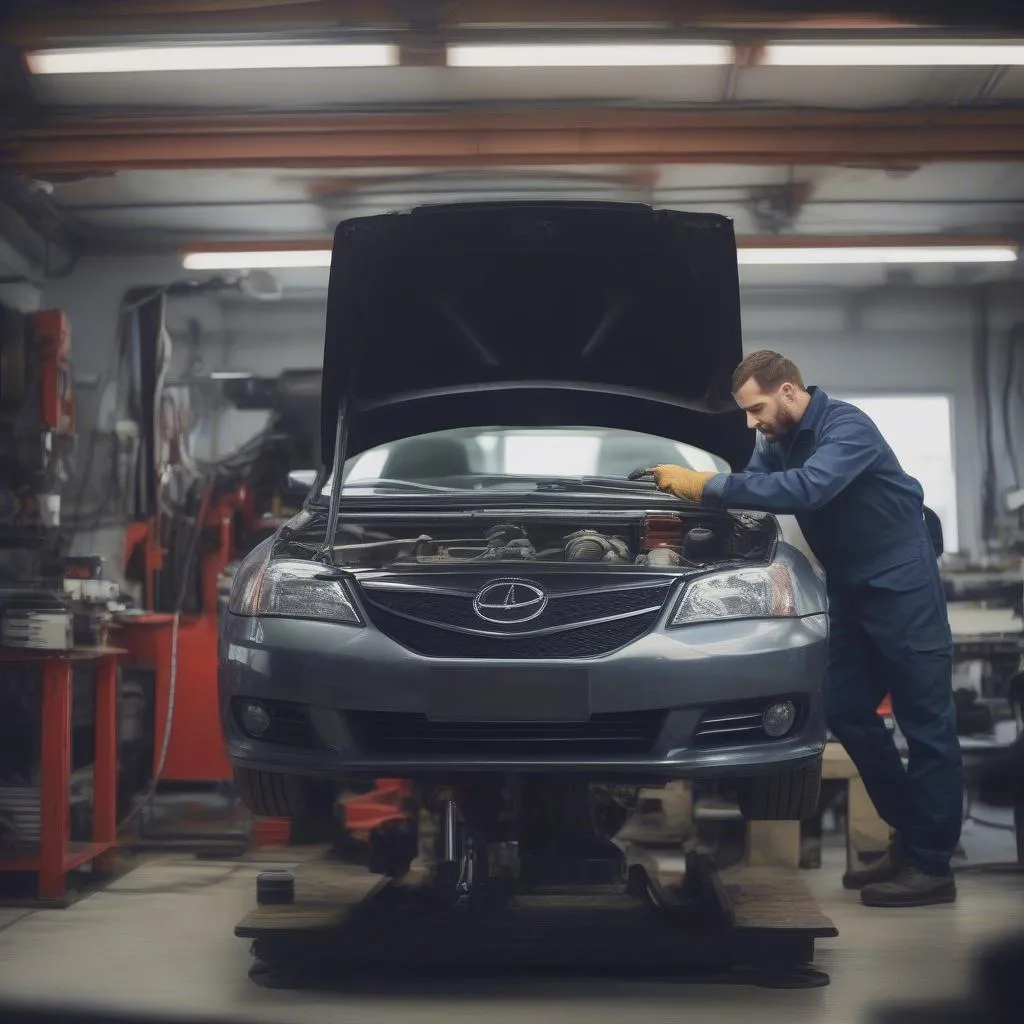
<point x="836" y="763"/>
<point x="670" y="823"/>
<point x="773" y="844"/>
<point x="866" y="832"/>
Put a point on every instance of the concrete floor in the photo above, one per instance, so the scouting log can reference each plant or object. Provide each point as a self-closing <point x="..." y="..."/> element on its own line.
<point x="160" y="940"/>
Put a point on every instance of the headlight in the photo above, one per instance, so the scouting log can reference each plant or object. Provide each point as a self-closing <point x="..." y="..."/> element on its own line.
<point x="738" y="594"/>
<point x="245" y="587"/>
<point x="292" y="589"/>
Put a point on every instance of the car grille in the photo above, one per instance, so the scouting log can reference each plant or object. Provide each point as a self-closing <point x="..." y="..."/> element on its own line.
<point x="604" y="735"/>
<point x="588" y="641"/>
<point x="456" y="610"/>
<point x="579" y="621"/>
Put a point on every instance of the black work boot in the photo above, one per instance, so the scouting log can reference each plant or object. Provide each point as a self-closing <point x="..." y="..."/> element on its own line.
<point x="910" y="888"/>
<point x="883" y="870"/>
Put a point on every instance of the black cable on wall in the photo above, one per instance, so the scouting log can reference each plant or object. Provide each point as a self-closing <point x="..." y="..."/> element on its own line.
<point x="1013" y="376"/>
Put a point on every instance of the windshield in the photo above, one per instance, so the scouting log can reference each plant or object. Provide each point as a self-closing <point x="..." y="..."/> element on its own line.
<point x="513" y="458"/>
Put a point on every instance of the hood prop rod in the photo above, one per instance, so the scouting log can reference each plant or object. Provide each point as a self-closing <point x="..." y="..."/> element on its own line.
<point x="326" y="550"/>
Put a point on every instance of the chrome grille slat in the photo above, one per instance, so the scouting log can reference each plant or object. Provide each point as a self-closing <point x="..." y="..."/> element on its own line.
<point x="753" y="717"/>
<point x="738" y="722"/>
<point x="508" y="634"/>
<point x="726" y="729"/>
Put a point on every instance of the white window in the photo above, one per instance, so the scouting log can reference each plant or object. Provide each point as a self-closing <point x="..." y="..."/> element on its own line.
<point x="919" y="429"/>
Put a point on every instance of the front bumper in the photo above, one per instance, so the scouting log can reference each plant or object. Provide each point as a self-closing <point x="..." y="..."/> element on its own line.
<point x="371" y="707"/>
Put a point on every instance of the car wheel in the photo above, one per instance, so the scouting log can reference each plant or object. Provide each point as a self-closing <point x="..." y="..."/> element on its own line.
<point x="783" y="796"/>
<point x="271" y="795"/>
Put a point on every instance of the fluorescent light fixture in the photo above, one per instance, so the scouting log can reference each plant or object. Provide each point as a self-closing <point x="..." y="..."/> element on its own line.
<point x="790" y="255"/>
<point x="779" y="255"/>
<point x="875" y="55"/>
<point x="586" y="55"/>
<point x="268" y="259"/>
<point x="117" y="60"/>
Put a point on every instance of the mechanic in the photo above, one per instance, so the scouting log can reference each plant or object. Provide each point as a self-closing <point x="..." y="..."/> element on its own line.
<point x="825" y="462"/>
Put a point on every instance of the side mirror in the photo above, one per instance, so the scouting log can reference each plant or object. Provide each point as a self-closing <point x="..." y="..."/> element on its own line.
<point x="301" y="480"/>
<point x="934" y="525"/>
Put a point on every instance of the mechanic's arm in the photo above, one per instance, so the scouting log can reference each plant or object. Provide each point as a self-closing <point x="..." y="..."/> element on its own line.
<point x="762" y="459"/>
<point x="847" y="447"/>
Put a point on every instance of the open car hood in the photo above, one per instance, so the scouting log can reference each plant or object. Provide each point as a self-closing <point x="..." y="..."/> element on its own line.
<point x="533" y="314"/>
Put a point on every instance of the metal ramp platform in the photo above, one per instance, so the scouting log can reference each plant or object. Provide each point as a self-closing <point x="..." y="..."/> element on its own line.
<point x="744" y="926"/>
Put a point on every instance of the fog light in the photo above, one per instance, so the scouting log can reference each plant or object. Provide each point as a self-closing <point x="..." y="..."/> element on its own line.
<point x="778" y="718"/>
<point x="255" y="719"/>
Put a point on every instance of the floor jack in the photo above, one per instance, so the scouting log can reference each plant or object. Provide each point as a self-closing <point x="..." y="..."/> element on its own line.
<point x="478" y="905"/>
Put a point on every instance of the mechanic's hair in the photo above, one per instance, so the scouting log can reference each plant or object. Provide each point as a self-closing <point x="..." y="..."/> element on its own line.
<point x="768" y="370"/>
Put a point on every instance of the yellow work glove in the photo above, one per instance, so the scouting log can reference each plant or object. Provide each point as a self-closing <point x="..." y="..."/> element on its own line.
<point x="687" y="484"/>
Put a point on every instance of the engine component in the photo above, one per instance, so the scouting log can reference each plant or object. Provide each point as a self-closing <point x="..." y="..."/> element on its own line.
<point x="591" y="546"/>
<point x="700" y="546"/>
<point x="660" y="531"/>
<point x="660" y="558"/>
<point x="660" y="539"/>
<point x="508" y="541"/>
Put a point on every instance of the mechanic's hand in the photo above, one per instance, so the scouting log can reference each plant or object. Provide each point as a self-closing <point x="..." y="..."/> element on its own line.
<point x="687" y="484"/>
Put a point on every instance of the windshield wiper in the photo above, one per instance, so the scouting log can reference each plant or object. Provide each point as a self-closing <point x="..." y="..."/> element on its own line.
<point x="399" y="485"/>
<point x="592" y="483"/>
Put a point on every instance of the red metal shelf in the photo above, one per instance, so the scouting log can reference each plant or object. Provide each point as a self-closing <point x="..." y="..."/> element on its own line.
<point x="56" y="854"/>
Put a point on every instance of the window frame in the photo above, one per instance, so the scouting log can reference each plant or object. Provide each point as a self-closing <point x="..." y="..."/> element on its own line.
<point x="953" y="539"/>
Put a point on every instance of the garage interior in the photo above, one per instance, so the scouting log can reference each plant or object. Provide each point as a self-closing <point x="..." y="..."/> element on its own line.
<point x="171" y="176"/>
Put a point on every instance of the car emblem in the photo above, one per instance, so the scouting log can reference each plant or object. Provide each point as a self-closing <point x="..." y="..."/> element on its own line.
<point x="505" y="601"/>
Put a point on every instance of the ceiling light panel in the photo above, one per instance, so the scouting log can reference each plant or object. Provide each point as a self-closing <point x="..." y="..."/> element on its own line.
<point x="875" y="254"/>
<point x="892" y="54"/>
<point x="270" y="259"/>
<point x="122" y="60"/>
<point x="587" y="55"/>
<point x="781" y="255"/>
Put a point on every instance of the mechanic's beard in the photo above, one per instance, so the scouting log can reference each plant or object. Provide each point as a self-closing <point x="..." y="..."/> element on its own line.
<point x="784" y="422"/>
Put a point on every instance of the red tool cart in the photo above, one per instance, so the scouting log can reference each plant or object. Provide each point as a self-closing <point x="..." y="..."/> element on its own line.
<point x="56" y="855"/>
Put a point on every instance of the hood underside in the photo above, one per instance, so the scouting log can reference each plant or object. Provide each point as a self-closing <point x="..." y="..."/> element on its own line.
<point x="534" y="314"/>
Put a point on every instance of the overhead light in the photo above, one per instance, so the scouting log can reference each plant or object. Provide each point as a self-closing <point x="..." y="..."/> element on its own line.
<point x="116" y="60"/>
<point x="872" y="55"/>
<point x="788" y="255"/>
<point x="747" y="254"/>
<point x="586" y="55"/>
<point x="269" y="259"/>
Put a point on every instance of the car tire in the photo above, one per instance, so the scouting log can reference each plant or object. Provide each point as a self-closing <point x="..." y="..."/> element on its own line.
<point x="272" y="795"/>
<point x="782" y="796"/>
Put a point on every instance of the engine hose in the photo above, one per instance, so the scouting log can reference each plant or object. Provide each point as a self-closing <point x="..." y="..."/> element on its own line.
<point x="520" y="548"/>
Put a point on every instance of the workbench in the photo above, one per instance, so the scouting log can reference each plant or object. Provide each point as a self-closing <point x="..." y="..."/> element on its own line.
<point x="56" y="854"/>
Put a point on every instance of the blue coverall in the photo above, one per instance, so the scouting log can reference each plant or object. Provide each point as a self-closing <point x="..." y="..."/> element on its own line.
<point x="863" y="517"/>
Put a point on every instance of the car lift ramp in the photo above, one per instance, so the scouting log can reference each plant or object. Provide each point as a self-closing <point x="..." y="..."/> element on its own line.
<point x="680" y="918"/>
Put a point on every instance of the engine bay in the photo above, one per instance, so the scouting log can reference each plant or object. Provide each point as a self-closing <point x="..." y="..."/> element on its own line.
<point x="657" y="540"/>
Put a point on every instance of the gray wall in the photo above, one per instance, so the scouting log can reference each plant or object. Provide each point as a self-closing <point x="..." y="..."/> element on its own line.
<point x="885" y="340"/>
<point x="893" y="342"/>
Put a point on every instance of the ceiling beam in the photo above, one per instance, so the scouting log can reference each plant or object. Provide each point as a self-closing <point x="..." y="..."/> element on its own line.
<point x="47" y="23"/>
<point x="875" y="240"/>
<point x="479" y="138"/>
